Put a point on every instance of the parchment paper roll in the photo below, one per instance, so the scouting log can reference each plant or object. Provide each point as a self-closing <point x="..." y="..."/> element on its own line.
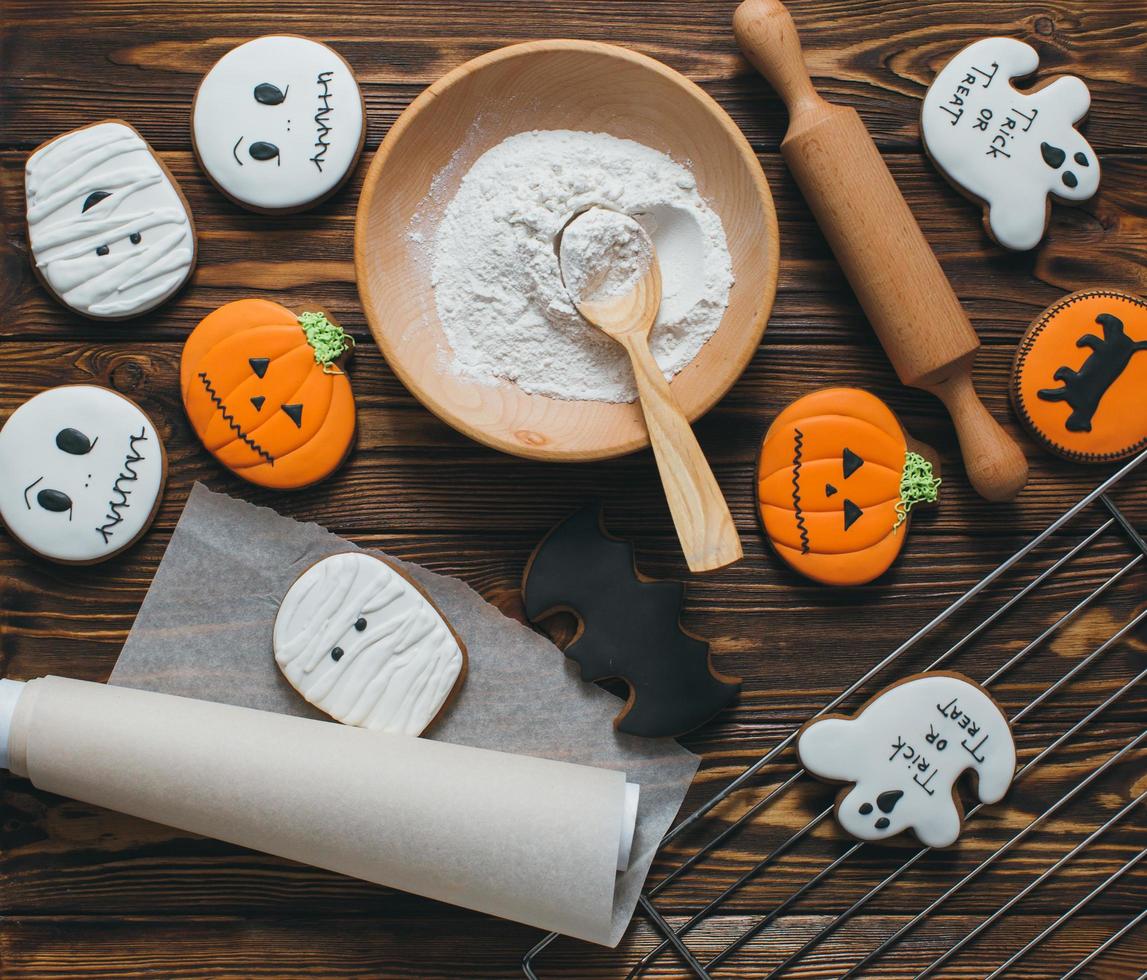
<point x="527" y="839"/>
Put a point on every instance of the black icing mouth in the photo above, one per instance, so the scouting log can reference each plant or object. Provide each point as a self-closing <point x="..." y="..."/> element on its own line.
<point x="798" y="454"/>
<point x="230" y="420"/>
<point x="120" y="492"/>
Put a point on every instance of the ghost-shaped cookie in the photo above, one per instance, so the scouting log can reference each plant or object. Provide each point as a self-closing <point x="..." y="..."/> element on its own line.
<point x="360" y="641"/>
<point x="82" y="470"/>
<point x="903" y="752"/>
<point x="1006" y="148"/>
<point x="278" y="123"/>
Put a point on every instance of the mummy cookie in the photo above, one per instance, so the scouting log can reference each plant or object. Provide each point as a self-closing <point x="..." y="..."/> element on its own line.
<point x="278" y="123"/>
<point x="360" y="641"/>
<point x="836" y="481"/>
<point x="630" y="628"/>
<point x="1080" y="374"/>
<point x="110" y="232"/>
<point x="82" y="470"/>
<point x="266" y="393"/>
<point x="1006" y="148"/>
<point x="902" y="753"/>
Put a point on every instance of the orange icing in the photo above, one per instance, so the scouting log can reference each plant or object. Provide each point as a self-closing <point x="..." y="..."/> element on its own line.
<point x="1107" y="397"/>
<point x="270" y="447"/>
<point x="816" y="542"/>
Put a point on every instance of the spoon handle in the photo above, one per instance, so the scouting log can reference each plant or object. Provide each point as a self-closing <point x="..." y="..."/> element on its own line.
<point x="704" y="525"/>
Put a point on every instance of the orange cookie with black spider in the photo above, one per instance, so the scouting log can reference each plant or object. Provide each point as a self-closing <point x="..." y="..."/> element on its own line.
<point x="1080" y="374"/>
<point x="836" y="479"/>
<point x="266" y="392"/>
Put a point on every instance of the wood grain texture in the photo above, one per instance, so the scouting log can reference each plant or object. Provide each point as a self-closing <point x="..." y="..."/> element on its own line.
<point x="88" y="893"/>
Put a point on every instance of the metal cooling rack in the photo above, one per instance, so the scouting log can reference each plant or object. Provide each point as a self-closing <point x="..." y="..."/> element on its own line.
<point x="1073" y="521"/>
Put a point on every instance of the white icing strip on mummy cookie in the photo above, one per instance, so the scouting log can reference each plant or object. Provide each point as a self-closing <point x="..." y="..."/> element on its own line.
<point x="360" y="642"/>
<point x="278" y="122"/>
<point x="81" y="471"/>
<point x="109" y="232"/>
<point x="903" y="753"/>
<point x="1005" y="147"/>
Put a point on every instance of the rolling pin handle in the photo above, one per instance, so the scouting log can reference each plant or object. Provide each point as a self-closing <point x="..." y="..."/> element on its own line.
<point x="996" y="466"/>
<point x="767" y="35"/>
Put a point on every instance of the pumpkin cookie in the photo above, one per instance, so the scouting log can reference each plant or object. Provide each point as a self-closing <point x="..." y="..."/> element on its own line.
<point x="1080" y="373"/>
<point x="836" y="479"/>
<point x="266" y="393"/>
<point x="363" y="643"/>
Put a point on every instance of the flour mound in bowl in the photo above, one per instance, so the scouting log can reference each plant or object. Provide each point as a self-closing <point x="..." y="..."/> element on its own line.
<point x="497" y="282"/>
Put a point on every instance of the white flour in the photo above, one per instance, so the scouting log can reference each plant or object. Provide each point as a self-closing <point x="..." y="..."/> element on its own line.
<point x="603" y="254"/>
<point x="497" y="284"/>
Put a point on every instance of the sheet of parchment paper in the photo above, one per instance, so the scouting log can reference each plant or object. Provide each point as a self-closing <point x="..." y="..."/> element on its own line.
<point x="204" y="631"/>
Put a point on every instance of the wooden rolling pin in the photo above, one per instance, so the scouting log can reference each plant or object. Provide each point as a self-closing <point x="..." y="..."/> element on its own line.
<point x="877" y="242"/>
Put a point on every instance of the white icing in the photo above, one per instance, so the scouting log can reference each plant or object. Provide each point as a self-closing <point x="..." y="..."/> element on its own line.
<point x="130" y="278"/>
<point x="915" y="739"/>
<point x="112" y="488"/>
<point x="393" y="675"/>
<point x="321" y="104"/>
<point x="986" y="136"/>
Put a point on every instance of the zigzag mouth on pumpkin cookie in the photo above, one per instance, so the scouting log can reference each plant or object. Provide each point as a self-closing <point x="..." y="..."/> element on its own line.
<point x="230" y="420"/>
<point x="798" y="453"/>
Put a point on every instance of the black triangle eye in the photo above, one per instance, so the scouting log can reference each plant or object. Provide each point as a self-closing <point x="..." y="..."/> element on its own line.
<point x="268" y="94"/>
<point x="259" y="365"/>
<point x="73" y="441"/>
<point x="851" y="462"/>
<point x="295" y="413"/>
<point x="852" y="513"/>
<point x="94" y="198"/>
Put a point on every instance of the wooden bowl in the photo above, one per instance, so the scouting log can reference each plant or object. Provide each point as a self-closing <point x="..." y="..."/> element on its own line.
<point x="580" y="85"/>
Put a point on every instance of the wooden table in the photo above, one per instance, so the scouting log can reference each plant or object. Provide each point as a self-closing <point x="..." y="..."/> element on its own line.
<point x="85" y="892"/>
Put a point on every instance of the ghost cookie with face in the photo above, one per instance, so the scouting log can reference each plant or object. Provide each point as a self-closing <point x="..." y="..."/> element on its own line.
<point x="110" y="233"/>
<point x="266" y="392"/>
<point x="903" y="752"/>
<point x="278" y="123"/>
<point x="83" y="473"/>
<point x="1009" y="148"/>
<point x="362" y="642"/>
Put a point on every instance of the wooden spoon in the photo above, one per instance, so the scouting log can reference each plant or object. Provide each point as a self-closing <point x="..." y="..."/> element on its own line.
<point x="704" y="525"/>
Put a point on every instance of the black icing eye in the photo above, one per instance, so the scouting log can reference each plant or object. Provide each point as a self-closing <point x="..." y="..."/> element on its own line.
<point x="851" y="462"/>
<point x="337" y="654"/>
<point x="865" y="809"/>
<point x="360" y="624"/>
<point x="1070" y="179"/>
<point x="1081" y="159"/>
<point x="1053" y="156"/>
<point x="269" y="94"/>
<point x="56" y="501"/>
<point x="94" y="198"/>
<point x="74" y="441"/>
<point x="852" y="513"/>
<point x="295" y="414"/>
<point x="135" y="238"/>
<point x="102" y="250"/>
<point x="263" y="151"/>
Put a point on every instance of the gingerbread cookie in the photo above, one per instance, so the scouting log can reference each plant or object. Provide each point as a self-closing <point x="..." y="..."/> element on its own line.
<point x="83" y="473"/>
<point x="1005" y="148"/>
<point x="110" y="233"/>
<point x="902" y="753"/>
<point x="266" y="393"/>
<point x="1080" y="373"/>
<point x="360" y="641"/>
<point x="836" y="480"/>
<point x="278" y="123"/>
<point x="629" y="628"/>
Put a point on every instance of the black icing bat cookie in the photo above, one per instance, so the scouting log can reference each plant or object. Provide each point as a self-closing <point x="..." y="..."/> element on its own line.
<point x="629" y="628"/>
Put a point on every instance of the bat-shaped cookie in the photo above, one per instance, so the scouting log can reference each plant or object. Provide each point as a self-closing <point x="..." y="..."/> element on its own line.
<point x="629" y="628"/>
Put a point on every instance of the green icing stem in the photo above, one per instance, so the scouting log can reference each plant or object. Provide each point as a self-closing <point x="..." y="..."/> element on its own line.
<point x="917" y="485"/>
<point x="328" y="339"/>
